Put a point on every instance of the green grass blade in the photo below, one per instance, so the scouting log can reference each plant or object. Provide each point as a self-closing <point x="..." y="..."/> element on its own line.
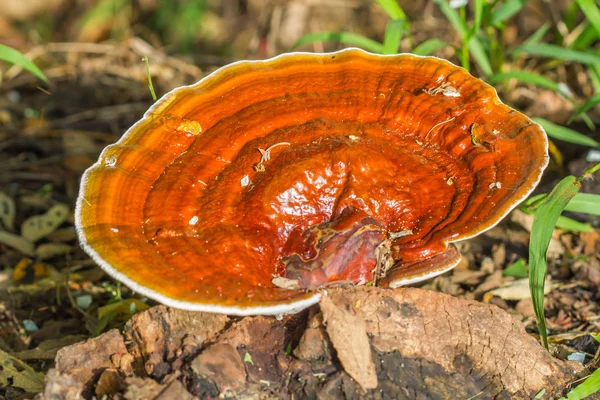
<point x="392" y="9"/>
<point x="586" y="37"/>
<point x="569" y="224"/>
<point x="538" y="34"/>
<point x="343" y="37"/>
<point x="590" y="103"/>
<point x="587" y="203"/>
<point x="541" y="233"/>
<point x="591" y="11"/>
<point x="561" y="53"/>
<point x="453" y="17"/>
<point x="590" y="386"/>
<point x="478" y="11"/>
<point x="479" y="55"/>
<point x="566" y="134"/>
<point x="527" y="77"/>
<point x="150" y="85"/>
<point x="506" y="10"/>
<point x="475" y="46"/>
<point x="534" y="201"/>
<point x="594" y="72"/>
<point x="429" y="46"/>
<point x="541" y="81"/>
<point x="393" y="35"/>
<point x="534" y="38"/>
<point x="15" y="57"/>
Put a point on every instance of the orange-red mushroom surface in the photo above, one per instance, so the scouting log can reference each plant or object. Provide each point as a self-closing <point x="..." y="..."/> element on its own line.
<point x="316" y="168"/>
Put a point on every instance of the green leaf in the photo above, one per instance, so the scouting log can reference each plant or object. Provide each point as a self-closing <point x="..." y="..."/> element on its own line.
<point x="15" y="57"/>
<point x="392" y="9"/>
<point x="590" y="103"/>
<point x="518" y="269"/>
<point x="569" y="224"/>
<point x="527" y="77"/>
<point x="561" y="53"/>
<point x="591" y="11"/>
<point x="343" y="37"/>
<point x="248" y="358"/>
<point x="506" y="10"/>
<point x="429" y="46"/>
<point x="393" y="35"/>
<point x="541" y="232"/>
<point x="590" y="386"/>
<point x="585" y="203"/>
<point x="566" y="134"/>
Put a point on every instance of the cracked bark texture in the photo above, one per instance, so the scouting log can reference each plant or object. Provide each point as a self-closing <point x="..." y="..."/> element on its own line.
<point x="425" y="345"/>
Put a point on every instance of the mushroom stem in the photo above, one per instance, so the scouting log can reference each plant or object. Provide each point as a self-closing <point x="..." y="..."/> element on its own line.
<point x="340" y="250"/>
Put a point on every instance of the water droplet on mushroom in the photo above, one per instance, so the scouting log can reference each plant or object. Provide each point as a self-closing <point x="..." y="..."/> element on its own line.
<point x="245" y="181"/>
<point x="190" y="127"/>
<point x="194" y="220"/>
<point x="111" y="161"/>
<point x="115" y="230"/>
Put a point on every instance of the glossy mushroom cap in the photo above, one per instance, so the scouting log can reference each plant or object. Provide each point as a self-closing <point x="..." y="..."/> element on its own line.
<point x="316" y="168"/>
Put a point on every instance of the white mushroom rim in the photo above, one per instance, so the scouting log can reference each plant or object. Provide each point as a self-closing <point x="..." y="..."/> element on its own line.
<point x="291" y="307"/>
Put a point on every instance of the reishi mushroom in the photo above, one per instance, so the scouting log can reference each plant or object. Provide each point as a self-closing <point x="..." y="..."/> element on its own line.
<point x="242" y="193"/>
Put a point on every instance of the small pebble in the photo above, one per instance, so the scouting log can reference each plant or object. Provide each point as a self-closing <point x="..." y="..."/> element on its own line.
<point x="580" y="357"/>
<point x="84" y="301"/>
<point x="29" y="325"/>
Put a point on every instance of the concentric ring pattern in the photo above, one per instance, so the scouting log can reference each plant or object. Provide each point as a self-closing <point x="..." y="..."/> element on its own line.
<point x="302" y="166"/>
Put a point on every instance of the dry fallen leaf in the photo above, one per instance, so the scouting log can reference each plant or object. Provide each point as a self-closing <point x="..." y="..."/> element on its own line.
<point x="47" y="349"/>
<point x="518" y="290"/>
<point x="17" y="242"/>
<point x="18" y="374"/>
<point x="28" y="271"/>
<point x="7" y="211"/>
<point x="285" y="283"/>
<point x="39" y="226"/>
<point x="48" y="250"/>
<point x="348" y="335"/>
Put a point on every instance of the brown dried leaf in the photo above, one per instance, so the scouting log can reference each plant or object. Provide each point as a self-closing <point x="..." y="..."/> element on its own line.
<point x="39" y="226"/>
<point x="348" y="335"/>
<point x="519" y="290"/>
<point x="111" y="382"/>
